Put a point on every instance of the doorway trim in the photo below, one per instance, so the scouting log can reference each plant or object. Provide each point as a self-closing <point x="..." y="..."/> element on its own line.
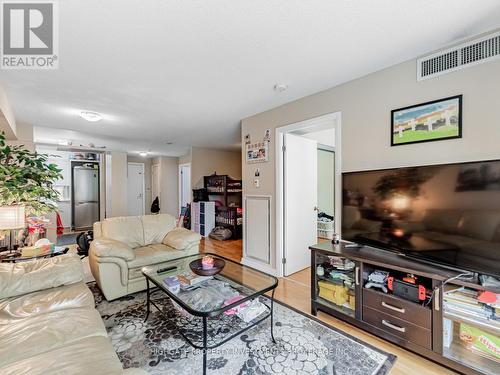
<point x="180" y="183"/>
<point x="143" y="165"/>
<point x="318" y="121"/>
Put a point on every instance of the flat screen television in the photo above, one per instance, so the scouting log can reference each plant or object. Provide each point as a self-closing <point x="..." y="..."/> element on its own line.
<point x="447" y="214"/>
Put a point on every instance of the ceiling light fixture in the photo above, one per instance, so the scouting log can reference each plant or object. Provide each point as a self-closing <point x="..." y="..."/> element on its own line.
<point x="280" y="87"/>
<point x="91" y="116"/>
<point x="143" y="153"/>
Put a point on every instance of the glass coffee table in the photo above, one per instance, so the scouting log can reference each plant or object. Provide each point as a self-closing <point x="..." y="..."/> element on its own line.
<point x="207" y="302"/>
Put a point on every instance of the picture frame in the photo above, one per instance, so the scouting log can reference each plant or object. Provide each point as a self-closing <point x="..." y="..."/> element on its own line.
<point x="257" y="152"/>
<point x="436" y="120"/>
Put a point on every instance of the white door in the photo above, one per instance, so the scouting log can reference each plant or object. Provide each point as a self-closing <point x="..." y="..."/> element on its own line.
<point x="135" y="189"/>
<point x="300" y="198"/>
<point x="185" y="185"/>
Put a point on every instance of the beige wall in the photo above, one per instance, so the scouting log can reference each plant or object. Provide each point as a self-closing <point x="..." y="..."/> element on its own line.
<point x="185" y="159"/>
<point x="117" y="198"/>
<point x="206" y="161"/>
<point x="169" y="184"/>
<point x="147" y="178"/>
<point x="366" y="105"/>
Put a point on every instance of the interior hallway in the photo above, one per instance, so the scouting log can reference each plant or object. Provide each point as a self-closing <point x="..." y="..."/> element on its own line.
<point x="295" y="291"/>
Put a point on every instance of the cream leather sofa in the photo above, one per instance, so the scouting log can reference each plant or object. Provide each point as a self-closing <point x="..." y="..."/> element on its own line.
<point x="123" y="245"/>
<point x="48" y="323"/>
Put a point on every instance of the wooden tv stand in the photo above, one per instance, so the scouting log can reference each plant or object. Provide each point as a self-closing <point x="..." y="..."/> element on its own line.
<point x="418" y="327"/>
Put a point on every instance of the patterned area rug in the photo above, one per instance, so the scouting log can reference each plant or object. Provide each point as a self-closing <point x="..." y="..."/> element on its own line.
<point x="304" y="345"/>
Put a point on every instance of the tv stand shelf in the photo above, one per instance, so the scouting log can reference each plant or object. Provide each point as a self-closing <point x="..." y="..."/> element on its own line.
<point x="424" y="327"/>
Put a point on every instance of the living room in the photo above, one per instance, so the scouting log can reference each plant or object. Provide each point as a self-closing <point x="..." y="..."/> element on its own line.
<point x="221" y="111"/>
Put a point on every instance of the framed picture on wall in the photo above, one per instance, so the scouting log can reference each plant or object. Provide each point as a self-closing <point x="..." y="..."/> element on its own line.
<point x="432" y="121"/>
<point x="257" y="152"/>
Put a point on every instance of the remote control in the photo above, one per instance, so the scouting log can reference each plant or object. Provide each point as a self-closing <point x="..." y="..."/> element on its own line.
<point x="161" y="270"/>
<point x="353" y="245"/>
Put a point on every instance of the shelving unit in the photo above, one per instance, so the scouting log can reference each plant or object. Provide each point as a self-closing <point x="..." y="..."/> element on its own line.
<point x="229" y="192"/>
<point x="426" y="327"/>
<point x="335" y="289"/>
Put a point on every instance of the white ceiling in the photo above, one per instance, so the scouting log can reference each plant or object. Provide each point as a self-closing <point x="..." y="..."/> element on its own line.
<point x="188" y="71"/>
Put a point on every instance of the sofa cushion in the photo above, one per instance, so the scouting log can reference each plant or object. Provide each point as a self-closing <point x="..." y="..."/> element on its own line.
<point x="128" y="230"/>
<point x="46" y="301"/>
<point x="479" y="224"/>
<point x="181" y="238"/>
<point x="442" y="220"/>
<point x="156" y="227"/>
<point x="26" y="277"/>
<point x="93" y="355"/>
<point x="153" y="254"/>
<point x="105" y="247"/>
<point x="24" y="338"/>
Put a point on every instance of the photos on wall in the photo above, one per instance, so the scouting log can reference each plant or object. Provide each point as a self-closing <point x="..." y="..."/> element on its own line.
<point x="432" y="121"/>
<point x="257" y="152"/>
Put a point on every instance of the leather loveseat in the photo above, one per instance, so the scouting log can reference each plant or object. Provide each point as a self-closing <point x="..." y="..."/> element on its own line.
<point x="48" y="322"/>
<point x="123" y="245"/>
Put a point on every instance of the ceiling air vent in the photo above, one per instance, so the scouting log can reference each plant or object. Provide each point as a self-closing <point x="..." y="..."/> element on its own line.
<point x="449" y="60"/>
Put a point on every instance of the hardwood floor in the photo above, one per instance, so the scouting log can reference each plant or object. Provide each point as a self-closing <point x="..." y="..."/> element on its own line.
<point x="295" y="291"/>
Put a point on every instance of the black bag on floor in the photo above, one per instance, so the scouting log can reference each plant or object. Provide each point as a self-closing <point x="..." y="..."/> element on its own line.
<point x="83" y="241"/>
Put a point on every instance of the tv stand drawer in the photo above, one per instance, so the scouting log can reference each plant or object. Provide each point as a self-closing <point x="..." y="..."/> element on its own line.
<point x="398" y="327"/>
<point x="398" y="307"/>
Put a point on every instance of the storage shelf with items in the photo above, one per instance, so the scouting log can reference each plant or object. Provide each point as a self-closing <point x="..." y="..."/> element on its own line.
<point x="335" y="280"/>
<point x="427" y="309"/>
<point x="471" y="327"/>
<point x="228" y="192"/>
<point x="410" y="287"/>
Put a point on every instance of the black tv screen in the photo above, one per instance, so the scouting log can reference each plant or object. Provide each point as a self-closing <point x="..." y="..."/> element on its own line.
<point x="447" y="214"/>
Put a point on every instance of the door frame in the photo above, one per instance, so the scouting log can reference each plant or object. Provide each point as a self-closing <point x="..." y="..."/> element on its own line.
<point x="143" y="184"/>
<point x="327" y="121"/>
<point x="180" y="183"/>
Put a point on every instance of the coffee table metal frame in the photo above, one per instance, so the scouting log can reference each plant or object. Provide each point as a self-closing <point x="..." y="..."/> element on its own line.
<point x="204" y="315"/>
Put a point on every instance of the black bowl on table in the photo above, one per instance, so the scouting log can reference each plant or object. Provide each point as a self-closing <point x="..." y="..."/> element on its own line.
<point x="198" y="269"/>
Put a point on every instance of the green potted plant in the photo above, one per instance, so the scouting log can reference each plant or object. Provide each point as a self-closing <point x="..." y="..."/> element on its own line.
<point x="27" y="179"/>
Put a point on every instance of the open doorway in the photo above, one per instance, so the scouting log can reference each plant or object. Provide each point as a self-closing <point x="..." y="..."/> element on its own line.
<point x="308" y="164"/>
<point x="184" y="185"/>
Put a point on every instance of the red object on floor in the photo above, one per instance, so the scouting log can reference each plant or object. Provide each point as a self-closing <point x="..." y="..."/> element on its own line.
<point x="60" y="226"/>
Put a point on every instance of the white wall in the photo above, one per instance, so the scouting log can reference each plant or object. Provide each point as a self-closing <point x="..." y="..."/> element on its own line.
<point x="324" y="137"/>
<point x="366" y="105"/>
